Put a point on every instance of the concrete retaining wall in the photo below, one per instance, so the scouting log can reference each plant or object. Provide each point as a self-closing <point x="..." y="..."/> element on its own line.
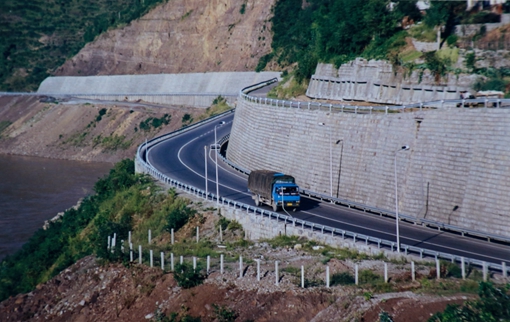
<point x="377" y="82"/>
<point x="198" y="83"/>
<point x="258" y="227"/>
<point x="457" y="170"/>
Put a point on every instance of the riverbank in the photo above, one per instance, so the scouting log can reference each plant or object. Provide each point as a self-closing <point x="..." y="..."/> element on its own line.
<point x="99" y="132"/>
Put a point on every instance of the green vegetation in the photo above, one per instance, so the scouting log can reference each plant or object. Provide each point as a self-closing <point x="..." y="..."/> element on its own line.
<point x="218" y="106"/>
<point x="224" y="314"/>
<point x="4" y="125"/>
<point x="100" y="115"/>
<point x="122" y="202"/>
<point x="76" y="139"/>
<point x="37" y="36"/>
<point x="243" y="9"/>
<point x="493" y="305"/>
<point x="186" y="276"/>
<point x="187" y="119"/>
<point x="154" y="123"/>
<point x="334" y="31"/>
<point x="178" y="216"/>
<point x="288" y="88"/>
<point x="111" y="143"/>
<point x="344" y="278"/>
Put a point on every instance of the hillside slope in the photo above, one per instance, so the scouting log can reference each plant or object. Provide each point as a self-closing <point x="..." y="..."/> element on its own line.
<point x="83" y="131"/>
<point x="181" y="36"/>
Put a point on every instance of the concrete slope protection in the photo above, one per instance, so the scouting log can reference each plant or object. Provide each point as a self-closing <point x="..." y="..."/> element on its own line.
<point x="218" y="83"/>
<point x="455" y="172"/>
<point x="181" y="157"/>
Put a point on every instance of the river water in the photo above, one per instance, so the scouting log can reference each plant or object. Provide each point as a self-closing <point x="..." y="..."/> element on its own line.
<point x="33" y="190"/>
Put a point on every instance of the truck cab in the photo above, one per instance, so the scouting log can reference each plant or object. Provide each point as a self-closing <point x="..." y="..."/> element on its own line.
<point x="286" y="196"/>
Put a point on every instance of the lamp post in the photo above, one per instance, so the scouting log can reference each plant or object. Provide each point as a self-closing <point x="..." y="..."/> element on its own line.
<point x="403" y="148"/>
<point x="340" y="165"/>
<point x="330" y="161"/>
<point x="205" y="157"/>
<point x="216" y="161"/>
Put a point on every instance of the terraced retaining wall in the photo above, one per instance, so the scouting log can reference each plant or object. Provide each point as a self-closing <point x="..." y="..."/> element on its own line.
<point x="378" y="82"/>
<point x="457" y="170"/>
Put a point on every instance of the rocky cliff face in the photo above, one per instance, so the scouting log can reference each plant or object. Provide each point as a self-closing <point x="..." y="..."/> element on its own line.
<point x="181" y="36"/>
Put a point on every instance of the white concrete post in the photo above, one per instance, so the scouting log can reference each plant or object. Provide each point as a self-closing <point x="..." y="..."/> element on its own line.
<point x="129" y="237"/>
<point x="302" y="276"/>
<point x="221" y="234"/>
<point x="149" y="237"/>
<point x="172" y="262"/>
<point x="385" y="272"/>
<point x="139" y="254"/>
<point x="277" y="281"/>
<point x="181" y="260"/>
<point x="194" y="263"/>
<point x="109" y="243"/>
<point x="151" y="259"/>
<point x="327" y="276"/>
<point x="356" y="277"/>
<point x="172" y="233"/>
<point x="258" y="270"/>
<point x="198" y="233"/>
<point x="240" y="266"/>
<point x="413" y="273"/>
<point x="463" y="267"/>
<point x="114" y="240"/>
<point x="208" y="264"/>
<point x="221" y="264"/>
<point x="503" y="269"/>
<point x="485" y="272"/>
<point x="162" y="261"/>
<point x="438" y="269"/>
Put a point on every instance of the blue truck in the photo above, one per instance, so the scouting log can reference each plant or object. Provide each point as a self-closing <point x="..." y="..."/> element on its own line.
<point x="274" y="189"/>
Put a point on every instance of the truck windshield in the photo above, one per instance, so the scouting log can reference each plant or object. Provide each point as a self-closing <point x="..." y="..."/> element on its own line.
<point x="287" y="191"/>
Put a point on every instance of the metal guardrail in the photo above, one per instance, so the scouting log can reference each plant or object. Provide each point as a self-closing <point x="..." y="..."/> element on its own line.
<point x="335" y="232"/>
<point x="347" y="108"/>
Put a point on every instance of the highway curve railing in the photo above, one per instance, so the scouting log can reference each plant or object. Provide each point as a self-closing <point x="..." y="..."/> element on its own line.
<point x="143" y="165"/>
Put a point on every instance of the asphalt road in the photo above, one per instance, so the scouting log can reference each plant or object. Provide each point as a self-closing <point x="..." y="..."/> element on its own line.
<point x="184" y="158"/>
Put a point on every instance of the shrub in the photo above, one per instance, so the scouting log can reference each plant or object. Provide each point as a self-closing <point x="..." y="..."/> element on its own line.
<point x="178" y="217"/>
<point x="187" y="119"/>
<point x="224" y="314"/>
<point x="344" y="278"/>
<point x="186" y="276"/>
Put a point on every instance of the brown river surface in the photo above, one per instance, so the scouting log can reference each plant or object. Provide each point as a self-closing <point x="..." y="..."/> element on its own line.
<point x="33" y="190"/>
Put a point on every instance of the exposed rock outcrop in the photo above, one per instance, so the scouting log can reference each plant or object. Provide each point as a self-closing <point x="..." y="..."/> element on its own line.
<point x="181" y="36"/>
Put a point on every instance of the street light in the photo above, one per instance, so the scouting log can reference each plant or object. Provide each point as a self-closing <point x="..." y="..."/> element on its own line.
<point x="402" y="148"/>
<point x="340" y="165"/>
<point x="216" y="161"/>
<point x="330" y="161"/>
<point x="205" y="156"/>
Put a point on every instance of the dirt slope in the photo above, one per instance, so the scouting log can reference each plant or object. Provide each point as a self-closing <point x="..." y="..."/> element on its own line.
<point x="89" y="291"/>
<point x="181" y="36"/>
<point x="75" y="131"/>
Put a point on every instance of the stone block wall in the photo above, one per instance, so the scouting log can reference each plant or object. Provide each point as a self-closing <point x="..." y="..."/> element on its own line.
<point x="377" y="82"/>
<point x="457" y="170"/>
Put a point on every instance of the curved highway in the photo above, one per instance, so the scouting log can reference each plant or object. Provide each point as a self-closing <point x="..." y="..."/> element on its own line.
<point x="184" y="158"/>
